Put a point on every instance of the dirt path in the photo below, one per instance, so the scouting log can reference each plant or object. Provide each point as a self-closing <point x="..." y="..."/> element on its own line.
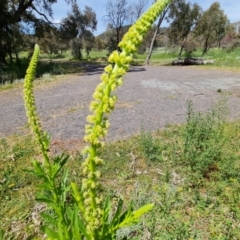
<point x="150" y="98"/>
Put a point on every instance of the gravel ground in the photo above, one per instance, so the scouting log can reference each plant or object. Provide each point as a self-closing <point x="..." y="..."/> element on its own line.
<point x="150" y="98"/>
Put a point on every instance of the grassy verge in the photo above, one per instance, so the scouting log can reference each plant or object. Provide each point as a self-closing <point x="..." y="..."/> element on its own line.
<point x="191" y="173"/>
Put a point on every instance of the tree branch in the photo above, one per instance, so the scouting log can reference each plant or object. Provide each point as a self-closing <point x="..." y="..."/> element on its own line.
<point x="41" y="14"/>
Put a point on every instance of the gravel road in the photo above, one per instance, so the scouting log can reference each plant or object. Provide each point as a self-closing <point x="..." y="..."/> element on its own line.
<point x="150" y="98"/>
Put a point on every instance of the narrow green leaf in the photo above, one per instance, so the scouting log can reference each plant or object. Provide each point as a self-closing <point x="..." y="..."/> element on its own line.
<point x="135" y="216"/>
<point x="52" y="235"/>
<point x="75" y="224"/>
<point x="2" y="233"/>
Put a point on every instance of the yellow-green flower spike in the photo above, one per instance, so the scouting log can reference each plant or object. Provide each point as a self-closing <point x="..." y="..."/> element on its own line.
<point x="102" y="105"/>
<point x="30" y="104"/>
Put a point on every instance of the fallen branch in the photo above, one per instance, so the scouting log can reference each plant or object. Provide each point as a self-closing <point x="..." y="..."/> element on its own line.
<point x="192" y="61"/>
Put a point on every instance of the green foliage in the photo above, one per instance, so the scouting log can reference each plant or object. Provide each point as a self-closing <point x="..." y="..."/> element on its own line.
<point x="186" y="204"/>
<point x="16" y="15"/>
<point x="185" y="17"/>
<point x="77" y="29"/>
<point x="150" y="147"/>
<point x="2" y="235"/>
<point x="204" y="138"/>
<point x="212" y="26"/>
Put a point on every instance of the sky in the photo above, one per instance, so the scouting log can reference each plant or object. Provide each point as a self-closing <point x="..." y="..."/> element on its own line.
<point x="60" y="10"/>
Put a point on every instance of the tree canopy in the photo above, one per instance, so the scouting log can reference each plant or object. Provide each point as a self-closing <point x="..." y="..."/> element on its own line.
<point x="13" y="13"/>
<point x="184" y="16"/>
<point x="212" y="26"/>
<point x="77" y="28"/>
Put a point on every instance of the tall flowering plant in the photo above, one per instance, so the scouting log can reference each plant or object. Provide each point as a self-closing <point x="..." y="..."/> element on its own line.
<point x="88" y="215"/>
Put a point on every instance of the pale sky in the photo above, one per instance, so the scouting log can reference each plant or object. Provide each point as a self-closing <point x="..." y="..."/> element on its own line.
<point x="60" y="10"/>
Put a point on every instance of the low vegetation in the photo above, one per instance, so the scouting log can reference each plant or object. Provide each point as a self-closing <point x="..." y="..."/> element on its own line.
<point x="193" y="180"/>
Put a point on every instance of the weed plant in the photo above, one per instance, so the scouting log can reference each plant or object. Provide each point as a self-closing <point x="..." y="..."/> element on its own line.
<point x="203" y="138"/>
<point x="150" y="147"/>
<point x="87" y="215"/>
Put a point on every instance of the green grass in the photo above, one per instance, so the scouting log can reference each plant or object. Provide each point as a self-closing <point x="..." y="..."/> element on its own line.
<point x="151" y="167"/>
<point x="222" y="58"/>
<point x="160" y="56"/>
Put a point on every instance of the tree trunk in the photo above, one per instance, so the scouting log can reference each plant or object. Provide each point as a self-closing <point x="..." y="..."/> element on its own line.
<point x="155" y="35"/>
<point x="118" y="38"/>
<point x="17" y="58"/>
<point x="10" y="57"/>
<point x="2" y="57"/>
<point x="205" y="46"/>
<point x="180" y="53"/>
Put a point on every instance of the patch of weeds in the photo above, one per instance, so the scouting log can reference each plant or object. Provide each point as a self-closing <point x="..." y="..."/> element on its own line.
<point x="150" y="147"/>
<point x="230" y="165"/>
<point x="188" y="204"/>
<point x="16" y="185"/>
<point x="204" y="138"/>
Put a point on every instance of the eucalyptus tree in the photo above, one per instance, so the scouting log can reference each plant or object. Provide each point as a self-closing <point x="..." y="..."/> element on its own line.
<point x="184" y="16"/>
<point x="212" y="26"/>
<point x="77" y="29"/>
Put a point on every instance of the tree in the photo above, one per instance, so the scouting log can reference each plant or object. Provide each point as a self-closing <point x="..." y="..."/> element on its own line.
<point x="118" y="13"/>
<point x="212" y="26"/>
<point x="184" y="17"/>
<point x="99" y="43"/>
<point x="13" y="13"/>
<point x="77" y="27"/>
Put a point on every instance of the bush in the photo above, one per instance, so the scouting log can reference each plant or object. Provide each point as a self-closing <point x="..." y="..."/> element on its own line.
<point x="149" y="146"/>
<point x="233" y="45"/>
<point x="203" y="138"/>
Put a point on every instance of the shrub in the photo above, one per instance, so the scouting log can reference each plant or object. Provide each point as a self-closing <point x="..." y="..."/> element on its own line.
<point x="233" y="45"/>
<point x="203" y="138"/>
<point x="149" y="146"/>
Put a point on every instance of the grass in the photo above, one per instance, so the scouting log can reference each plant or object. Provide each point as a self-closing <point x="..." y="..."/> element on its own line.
<point x="151" y="167"/>
<point x="222" y="58"/>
